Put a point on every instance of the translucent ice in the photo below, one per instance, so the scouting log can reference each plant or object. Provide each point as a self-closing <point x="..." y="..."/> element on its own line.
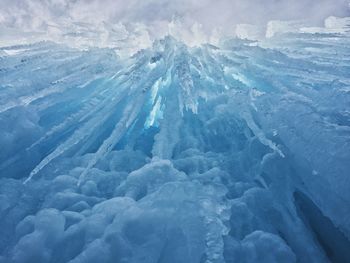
<point x="238" y="152"/>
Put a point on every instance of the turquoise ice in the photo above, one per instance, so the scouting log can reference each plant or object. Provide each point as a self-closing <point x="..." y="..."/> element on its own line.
<point x="231" y="153"/>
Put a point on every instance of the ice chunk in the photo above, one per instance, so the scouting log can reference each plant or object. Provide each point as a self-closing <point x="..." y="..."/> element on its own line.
<point x="279" y="27"/>
<point x="251" y="32"/>
<point x="337" y="23"/>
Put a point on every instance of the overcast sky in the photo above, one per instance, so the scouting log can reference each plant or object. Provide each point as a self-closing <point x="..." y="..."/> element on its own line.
<point x="155" y="15"/>
<point x="210" y="13"/>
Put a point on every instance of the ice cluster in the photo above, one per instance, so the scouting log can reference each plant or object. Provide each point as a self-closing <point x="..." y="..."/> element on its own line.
<point x="238" y="152"/>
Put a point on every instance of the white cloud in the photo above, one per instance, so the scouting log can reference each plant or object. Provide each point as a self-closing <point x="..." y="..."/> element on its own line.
<point x="140" y="21"/>
<point x="209" y="13"/>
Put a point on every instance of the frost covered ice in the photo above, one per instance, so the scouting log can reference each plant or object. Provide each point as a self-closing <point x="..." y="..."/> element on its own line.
<point x="227" y="153"/>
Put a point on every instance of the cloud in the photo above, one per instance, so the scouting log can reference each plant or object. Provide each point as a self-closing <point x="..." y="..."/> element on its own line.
<point x="150" y="19"/>
<point x="210" y="13"/>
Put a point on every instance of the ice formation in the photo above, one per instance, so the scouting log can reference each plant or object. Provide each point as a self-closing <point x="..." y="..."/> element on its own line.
<point x="238" y="152"/>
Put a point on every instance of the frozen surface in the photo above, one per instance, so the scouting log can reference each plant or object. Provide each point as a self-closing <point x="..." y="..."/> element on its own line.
<point x="232" y="153"/>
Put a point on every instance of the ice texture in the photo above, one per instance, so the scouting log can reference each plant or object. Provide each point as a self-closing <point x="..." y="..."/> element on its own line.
<point x="238" y="152"/>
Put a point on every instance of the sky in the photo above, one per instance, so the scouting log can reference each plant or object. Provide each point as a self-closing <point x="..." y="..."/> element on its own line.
<point x="151" y="18"/>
